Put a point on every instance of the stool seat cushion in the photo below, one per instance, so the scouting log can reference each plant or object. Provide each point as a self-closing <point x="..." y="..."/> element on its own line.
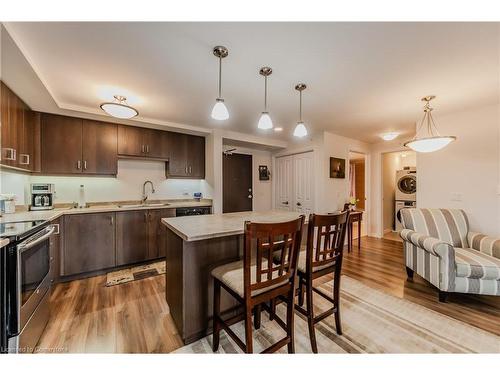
<point x="231" y="275"/>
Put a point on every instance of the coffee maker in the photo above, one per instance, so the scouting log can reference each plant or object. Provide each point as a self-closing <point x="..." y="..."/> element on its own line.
<point x="42" y="197"/>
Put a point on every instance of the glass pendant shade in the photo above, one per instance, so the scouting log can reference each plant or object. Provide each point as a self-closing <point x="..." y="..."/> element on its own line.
<point x="432" y="140"/>
<point x="300" y="130"/>
<point x="430" y="144"/>
<point x="219" y="112"/>
<point x="265" y="121"/>
<point x="119" y="108"/>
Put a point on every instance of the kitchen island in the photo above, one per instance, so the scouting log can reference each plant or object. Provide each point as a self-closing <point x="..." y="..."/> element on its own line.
<point x="195" y="246"/>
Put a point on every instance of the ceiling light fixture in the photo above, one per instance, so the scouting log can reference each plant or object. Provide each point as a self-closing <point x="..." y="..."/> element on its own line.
<point x="119" y="108"/>
<point x="300" y="130"/>
<point x="265" y="121"/>
<point x="389" y="136"/>
<point x="219" y="112"/>
<point x="432" y="141"/>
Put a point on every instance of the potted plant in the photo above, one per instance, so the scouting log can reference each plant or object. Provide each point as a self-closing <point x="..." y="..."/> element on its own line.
<point x="352" y="203"/>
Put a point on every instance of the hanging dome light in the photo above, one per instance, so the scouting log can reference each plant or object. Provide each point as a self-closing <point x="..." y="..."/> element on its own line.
<point x="119" y="108"/>
<point x="432" y="141"/>
<point x="300" y="130"/>
<point x="265" y="121"/>
<point x="219" y="112"/>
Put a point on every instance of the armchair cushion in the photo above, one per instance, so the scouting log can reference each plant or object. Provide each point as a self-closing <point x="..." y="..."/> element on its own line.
<point x="484" y="244"/>
<point x="476" y="265"/>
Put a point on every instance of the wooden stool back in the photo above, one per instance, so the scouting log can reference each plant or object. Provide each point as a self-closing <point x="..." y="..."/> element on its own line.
<point x="264" y="240"/>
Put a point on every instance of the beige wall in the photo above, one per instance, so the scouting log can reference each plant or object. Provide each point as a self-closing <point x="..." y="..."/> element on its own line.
<point x="466" y="173"/>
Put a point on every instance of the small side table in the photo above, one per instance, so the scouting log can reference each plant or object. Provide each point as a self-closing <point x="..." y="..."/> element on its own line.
<point x="354" y="217"/>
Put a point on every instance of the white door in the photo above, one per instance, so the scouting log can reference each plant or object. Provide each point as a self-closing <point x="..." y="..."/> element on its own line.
<point x="303" y="183"/>
<point x="284" y="186"/>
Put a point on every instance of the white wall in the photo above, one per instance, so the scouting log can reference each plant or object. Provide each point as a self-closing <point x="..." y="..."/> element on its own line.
<point x="467" y="169"/>
<point x="262" y="190"/>
<point x="126" y="186"/>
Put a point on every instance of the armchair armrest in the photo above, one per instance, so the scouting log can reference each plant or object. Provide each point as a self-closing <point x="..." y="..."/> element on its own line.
<point x="484" y="244"/>
<point x="430" y="244"/>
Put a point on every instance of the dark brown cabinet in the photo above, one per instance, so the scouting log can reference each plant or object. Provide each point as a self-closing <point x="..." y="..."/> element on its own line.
<point x="131" y="237"/>
<point x="74" y="146"/>
<point x="139" y="236"/>
<point x="187" y="156"/>
<point x="157" y="240"/>
<point x="99" y="151"/>
<point x="142" y="142"/>
<point x="18" y="131"/>
<point x="55" y="250"/>
<point x="89" y="243"/>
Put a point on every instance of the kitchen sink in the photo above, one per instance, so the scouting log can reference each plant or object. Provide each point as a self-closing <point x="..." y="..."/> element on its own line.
<point x="140" y="205"/>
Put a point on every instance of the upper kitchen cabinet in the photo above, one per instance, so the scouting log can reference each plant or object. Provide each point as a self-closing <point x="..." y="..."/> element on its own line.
<point x="19" y="130"/>
<point x="142" y="142"/>
<point x="99" y="151"/>
<point x="76" y="146"/>
<point x="187" y="156"/>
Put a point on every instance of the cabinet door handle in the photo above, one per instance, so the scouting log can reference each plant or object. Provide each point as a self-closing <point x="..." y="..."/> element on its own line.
<point x="190" y="170"/>
<point x="10" y="154"/>
<point x="24" y="157"/>
<point x="56" y="228"/>
<point x="186" y="169"/>
<point x="85" y="164"/>
<point x="146" y="217"/>
<point x="286" y="202"/>
<point x="147" y="149"/>
<point x="111" y="220"/>
<point x="142" y="149"/>
<point x="79" y="164"/>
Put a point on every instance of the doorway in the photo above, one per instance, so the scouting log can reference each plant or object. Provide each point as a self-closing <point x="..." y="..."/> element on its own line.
<point x="399" y="173"/>
<point x="237" y="194"/>
<point x="357" y="171"/>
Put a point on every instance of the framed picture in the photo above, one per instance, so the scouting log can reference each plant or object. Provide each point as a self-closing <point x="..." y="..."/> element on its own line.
<point x="263" y="173"/>
<point x="337" y="168"/>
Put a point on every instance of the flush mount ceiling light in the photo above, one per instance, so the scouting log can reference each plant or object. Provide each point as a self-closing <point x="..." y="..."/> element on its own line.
<point x="432" y="140"/>
<point x="300" y="130"/>
<point x="265" y="121"/>
<point x="389" y="136"/>
<point x="119" y="108"/>
<point x="219" y="112"/>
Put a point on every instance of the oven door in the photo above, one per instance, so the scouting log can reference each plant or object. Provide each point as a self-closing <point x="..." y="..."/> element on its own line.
<point x="33" y="276"/>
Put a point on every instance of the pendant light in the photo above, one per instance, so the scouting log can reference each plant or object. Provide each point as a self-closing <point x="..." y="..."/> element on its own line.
<point x="300" y="130"/>
<point x="265" y="121"/>
<point x="432" y="141"/>
<point x="219" y="112"/>
<point x="119" y="108"/>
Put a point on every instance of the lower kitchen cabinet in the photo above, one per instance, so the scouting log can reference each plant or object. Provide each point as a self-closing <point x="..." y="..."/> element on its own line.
<point x="131" y="237"/>
<point x="89" y="243"/>
<point x="157" y="241"/>
<point x="55" y="250"/>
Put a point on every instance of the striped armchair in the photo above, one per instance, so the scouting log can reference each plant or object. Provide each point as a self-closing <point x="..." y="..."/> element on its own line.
<point x="439" y="247"/>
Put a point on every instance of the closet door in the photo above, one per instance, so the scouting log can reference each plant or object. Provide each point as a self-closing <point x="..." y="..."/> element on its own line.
<point x="284" y="183"/>
<point x="303" y="183"/>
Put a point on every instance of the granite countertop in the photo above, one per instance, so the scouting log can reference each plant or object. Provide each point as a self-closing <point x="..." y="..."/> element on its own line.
<point x="195" y="228"/>
<point x="101" y="207"/>
<point x="4" y="242"/>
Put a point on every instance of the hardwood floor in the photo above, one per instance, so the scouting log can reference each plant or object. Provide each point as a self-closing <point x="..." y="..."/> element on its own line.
<point x="134" y="318"/>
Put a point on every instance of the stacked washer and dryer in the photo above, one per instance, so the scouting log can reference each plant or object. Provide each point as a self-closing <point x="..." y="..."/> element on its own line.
<point x="406" y="192"/>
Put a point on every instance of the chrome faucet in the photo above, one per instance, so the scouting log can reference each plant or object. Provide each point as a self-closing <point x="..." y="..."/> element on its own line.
<point x="144" y="195"/>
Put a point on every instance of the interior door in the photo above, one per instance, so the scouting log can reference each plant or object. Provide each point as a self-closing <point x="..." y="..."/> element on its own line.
<point x="237" y="194"/>
<point x="284" y="185"/>
<point x="303" y="182"/>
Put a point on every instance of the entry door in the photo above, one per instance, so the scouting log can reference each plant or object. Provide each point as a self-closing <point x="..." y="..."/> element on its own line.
<point x="237" y="191"/>
<point x="284" y="186"/>
<point x="303" y="181"/>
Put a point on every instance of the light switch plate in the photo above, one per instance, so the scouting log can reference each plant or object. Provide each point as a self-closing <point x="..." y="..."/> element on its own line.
<point x="456" y="197"/>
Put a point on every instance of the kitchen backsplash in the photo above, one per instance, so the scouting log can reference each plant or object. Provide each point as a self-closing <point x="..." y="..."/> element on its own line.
<point x="126" y="186"/>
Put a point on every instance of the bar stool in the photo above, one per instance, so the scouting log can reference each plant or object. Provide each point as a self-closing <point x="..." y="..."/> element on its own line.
<point x="252" y="283"/>
<point x="323" y="256"/>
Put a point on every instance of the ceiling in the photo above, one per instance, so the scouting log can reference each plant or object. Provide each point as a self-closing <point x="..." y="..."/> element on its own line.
<point x="363" y="78"/>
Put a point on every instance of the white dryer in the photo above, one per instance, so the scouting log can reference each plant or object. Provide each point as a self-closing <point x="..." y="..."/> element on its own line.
<point x="406" y="184"/>
<point x="398" y="206"/>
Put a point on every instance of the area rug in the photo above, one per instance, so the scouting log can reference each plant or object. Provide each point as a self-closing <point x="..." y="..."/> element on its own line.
<point x="135" y="273"/>
<point x="372" y="322"/>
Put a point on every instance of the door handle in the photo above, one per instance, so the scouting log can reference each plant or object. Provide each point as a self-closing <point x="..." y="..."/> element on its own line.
<point x="85" y="164"/>
<point x="26" y="158"/>
<point x="190" y="170"/>
<point x="286" y="202"/>
<point x="142" y="149"/>
<point x="147" y="149"/>
<point x="299" y="204"/>
<point x="78" y="164"/>
<point x="111" y="221"/>
<point x="186" y="169"/>
<point x="250" y="197"/>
